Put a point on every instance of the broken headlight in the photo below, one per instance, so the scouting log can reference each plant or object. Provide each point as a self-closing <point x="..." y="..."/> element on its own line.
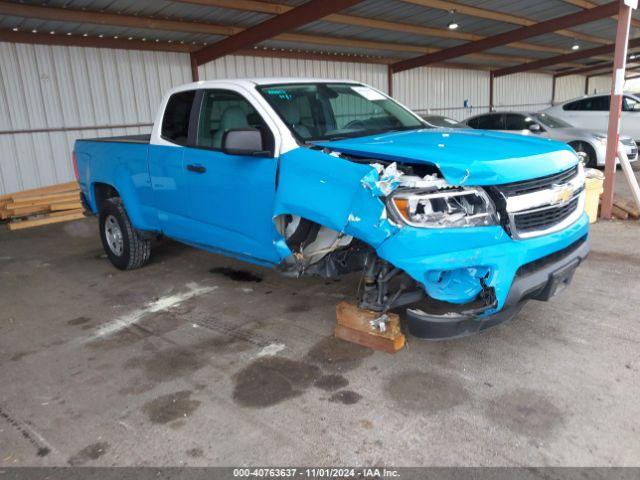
<point x="465" y="207"/>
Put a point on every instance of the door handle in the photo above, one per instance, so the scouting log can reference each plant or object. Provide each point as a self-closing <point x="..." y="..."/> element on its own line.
<point x="196" y="168"/>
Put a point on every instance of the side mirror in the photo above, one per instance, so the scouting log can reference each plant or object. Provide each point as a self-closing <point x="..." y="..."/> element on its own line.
<point x="535" y="128"/>
<point x="243" y="141"/>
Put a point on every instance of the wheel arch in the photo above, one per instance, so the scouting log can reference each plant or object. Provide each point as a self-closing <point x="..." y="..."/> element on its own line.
<point x="102" y="192"/>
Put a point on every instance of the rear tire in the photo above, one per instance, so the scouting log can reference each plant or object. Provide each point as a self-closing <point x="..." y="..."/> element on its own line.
<point x="121" y="242"/>
<point x="590" y="158"/>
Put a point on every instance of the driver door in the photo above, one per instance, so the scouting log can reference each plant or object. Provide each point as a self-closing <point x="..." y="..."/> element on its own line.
<point x="231" y="197"/>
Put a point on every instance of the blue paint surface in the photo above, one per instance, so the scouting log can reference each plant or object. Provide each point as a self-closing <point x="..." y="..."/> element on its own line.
<point x="231" y="208"/>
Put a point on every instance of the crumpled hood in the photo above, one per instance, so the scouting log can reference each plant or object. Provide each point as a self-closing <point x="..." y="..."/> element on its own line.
<point x="465" y="156"/>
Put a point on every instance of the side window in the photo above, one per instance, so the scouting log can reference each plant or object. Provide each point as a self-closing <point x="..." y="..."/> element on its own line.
<point x="490" y="122"/>
<point x="224" y="110"/>
<point x="175" y="123"/>
<point x="594" y="104"/>
<point x="601" y="104"/>
<point x="630" y="104"/>
<point x="473" y="123"/>
<point x="516" y="122"/>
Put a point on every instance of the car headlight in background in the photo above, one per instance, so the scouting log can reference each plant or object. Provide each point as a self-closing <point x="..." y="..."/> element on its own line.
<point x="465" y="207"/>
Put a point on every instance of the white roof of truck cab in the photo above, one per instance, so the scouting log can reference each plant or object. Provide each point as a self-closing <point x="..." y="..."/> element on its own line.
<point x="252" y="82"/>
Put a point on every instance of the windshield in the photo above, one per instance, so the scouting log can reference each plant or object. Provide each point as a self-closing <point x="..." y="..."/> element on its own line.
<point x="330" y="111"/>
<point x="551" y="122"/>
<point x="440" y="121"/>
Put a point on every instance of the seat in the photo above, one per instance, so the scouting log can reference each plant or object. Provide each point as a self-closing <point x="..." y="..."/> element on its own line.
<point x="232" y="117"/>
<point x="291" y="115"/>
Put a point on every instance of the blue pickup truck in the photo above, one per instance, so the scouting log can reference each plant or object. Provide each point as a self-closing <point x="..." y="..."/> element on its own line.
<point x="454" y="228"/>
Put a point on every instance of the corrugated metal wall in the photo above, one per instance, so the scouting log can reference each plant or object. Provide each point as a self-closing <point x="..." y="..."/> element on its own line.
<point x="569" y="87"/>
<point x="443" y="91"/>
<point x="523" y="92"/>
<point x="246" y="67"/>
<point x="600" y="84"/>
<point x="63" y="88"/>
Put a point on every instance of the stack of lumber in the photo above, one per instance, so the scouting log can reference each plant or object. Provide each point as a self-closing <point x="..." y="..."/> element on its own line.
<point x="41" y="206"/>
<point x="625" y="209"/>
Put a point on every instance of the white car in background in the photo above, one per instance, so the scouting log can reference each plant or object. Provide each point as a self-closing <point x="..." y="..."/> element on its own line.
<point x="592" y="112"/>
<point x="590" y="145"/>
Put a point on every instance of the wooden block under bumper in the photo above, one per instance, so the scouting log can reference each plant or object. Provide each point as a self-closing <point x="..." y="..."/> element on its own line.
<point x="368" y="340"/>
<point x="353" y="326"/>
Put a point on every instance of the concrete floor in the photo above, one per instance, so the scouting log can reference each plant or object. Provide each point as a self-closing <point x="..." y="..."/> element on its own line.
<point x="174" y="364"/>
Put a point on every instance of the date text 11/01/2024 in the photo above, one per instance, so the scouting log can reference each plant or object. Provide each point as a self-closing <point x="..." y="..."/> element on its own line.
<point x="315" y="472"/>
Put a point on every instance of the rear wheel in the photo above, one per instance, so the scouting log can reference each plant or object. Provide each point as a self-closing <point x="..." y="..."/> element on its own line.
<point x="587" y="153"/>
<point x="124" y="247"/>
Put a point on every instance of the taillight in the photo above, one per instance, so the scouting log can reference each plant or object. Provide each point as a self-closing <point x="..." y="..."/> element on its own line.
<point x="74" y="159"/>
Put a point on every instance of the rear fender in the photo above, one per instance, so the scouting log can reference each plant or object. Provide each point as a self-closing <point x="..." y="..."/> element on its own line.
<point x="134" y="189"/>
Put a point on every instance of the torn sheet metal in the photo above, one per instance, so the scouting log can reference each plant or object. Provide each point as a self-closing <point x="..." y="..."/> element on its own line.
<point x="382" y="180"/>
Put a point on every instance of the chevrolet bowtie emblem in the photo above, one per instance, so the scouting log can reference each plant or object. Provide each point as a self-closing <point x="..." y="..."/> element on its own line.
<point x="562" y="193"/>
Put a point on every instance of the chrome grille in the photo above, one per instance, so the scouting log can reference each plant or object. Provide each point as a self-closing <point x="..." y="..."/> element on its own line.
<point x="543" y="218"/>
<point x="543" y="205"/>
<point x="542" y="183"/>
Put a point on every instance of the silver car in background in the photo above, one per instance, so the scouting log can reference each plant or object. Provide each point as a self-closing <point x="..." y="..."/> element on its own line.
<point x="590" y="145"/>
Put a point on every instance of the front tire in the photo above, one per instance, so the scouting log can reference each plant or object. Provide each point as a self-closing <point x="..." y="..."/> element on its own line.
<point x="590" y="157"/>
<point x="121" y="242"/>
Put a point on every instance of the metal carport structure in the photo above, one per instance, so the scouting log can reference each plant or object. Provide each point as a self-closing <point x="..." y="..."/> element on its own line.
<point x="497" y="38"/>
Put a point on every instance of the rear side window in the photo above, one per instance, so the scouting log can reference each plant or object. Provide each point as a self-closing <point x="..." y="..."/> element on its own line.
<point x="473" y="123"/>
<point x="487" y="122"/>
<point x="571" y="106"/>
<point x="516" y="121"/>
<point x="175" y="123"/>
<point x="595" y="104"/>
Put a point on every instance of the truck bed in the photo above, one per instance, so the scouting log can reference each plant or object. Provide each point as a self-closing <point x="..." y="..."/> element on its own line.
<point x="144" y="139"/>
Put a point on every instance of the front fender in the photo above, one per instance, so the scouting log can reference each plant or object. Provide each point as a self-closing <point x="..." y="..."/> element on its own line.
<point x="328" y="190"/>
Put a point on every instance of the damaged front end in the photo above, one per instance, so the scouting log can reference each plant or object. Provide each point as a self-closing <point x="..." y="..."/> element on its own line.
<point x="461" y="238"/>
<point x="391" y="198"/>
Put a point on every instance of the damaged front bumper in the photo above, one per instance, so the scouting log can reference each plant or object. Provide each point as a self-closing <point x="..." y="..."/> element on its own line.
<point x="515" y="270"/>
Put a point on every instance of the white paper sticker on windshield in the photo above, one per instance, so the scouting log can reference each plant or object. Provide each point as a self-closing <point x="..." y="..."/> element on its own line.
<point x="368" y="93"/>
<point x="451" y="122"/>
